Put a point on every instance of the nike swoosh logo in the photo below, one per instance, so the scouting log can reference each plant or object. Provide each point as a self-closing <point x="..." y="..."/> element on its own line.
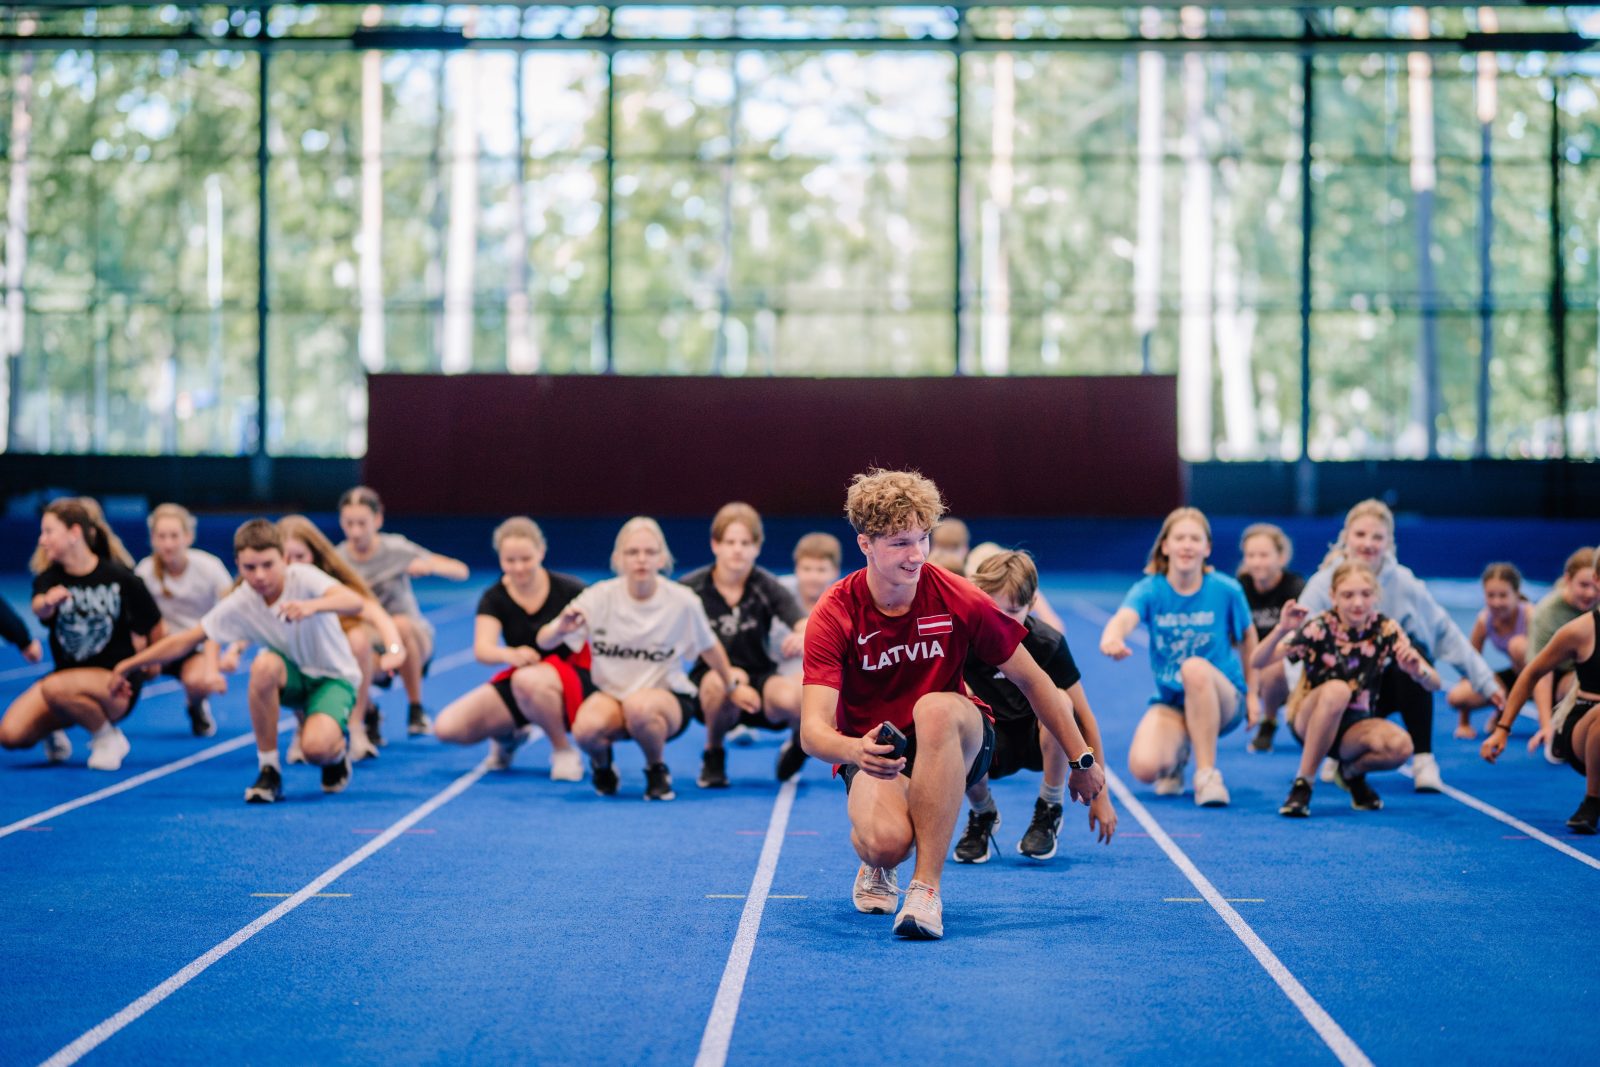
<point x="864" y="638"/>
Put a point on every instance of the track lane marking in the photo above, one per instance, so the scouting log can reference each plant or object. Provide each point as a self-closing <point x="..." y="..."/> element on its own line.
<point x="102" y="1032"/>
<point x="1332" y="1034"/>
<point x="725" y="1009"/>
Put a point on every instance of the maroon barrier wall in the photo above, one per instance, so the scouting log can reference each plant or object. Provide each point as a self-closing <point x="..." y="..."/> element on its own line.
<point x="616" y="445"/>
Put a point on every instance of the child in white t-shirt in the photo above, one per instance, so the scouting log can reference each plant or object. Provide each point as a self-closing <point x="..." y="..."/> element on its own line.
<point x="187" y="583"/>
<point x="305" y="662"/>
<point x="641" y="632"/>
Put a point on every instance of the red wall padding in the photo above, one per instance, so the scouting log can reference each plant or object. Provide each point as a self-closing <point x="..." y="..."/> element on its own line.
<point x="616" y="445"/>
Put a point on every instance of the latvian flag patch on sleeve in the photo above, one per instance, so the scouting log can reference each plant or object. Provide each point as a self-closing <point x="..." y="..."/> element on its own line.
<point x="928" y="625"/>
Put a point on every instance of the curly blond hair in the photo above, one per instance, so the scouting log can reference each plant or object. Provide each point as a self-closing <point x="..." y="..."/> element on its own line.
<point x="882" y="502"/>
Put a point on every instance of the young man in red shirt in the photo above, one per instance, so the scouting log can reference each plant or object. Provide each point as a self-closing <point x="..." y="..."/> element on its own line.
<point x="887" y="644"/>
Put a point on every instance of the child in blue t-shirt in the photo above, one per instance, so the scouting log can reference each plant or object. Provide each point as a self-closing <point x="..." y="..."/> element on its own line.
<point x="1200" y="638"/>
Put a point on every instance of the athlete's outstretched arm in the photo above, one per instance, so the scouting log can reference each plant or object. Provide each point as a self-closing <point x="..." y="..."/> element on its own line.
<point x="1051" y="706"/>
<point x="1114" y="638"/>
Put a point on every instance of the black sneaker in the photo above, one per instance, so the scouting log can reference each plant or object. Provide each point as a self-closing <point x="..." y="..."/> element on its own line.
<point x="1262" y="741"/>
<point x="1362" y="796"/>
<point x="1039" y="843"/>
<point x="658" y="782"/>
<point x="1586" y="820"/>
<point x="200" y="721"/>
<point x="417" y="722"/>
<point x="1298" y="806"/>
<point x="603" y="774"/>
<point x="375" y="726"/>
<point x="335" y="776"/>
<point x="791" y="757"/>
<point x="268" y="788"/>
<point x="713" y="770"/>
<point x="977" y="842"/>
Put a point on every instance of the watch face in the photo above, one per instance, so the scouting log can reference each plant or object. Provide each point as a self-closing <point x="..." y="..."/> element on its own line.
<point x="1086" y="761"/>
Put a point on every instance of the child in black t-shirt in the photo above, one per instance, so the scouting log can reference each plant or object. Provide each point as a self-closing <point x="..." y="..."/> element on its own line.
<point x="99" y="613"/>
<point x="533" y="688"/>
<point x="741" y="601"/>
<point x="1265" y="551"/>
<point x="1021" y="742"/>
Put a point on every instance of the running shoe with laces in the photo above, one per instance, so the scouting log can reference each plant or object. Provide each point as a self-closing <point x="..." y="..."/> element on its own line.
<point x="876" y="891"/>
<point x="1262" y="741"/>
<point x="417" y="721"/>
<point x="1425" y="773"/>
<point x="921" y="917"/>
<point x="57" y="747"/>
<point x="268" y="788"/>
<point x="603" y="774"/>
<point x="1039" y="843"/>
<point x="1362" y="796"/>
<point x="502" y="749"/>
<point x="713" y="769"/>
<point x="1298" y="805"/>
<point x="566" y="765"/>
<point x="1171" y="783"/>
<point x="1586" y="820"/>
<point x="374" y="719"/>
<point x="977" y="841"/>
<point x="1209" y="790"/>
<point x="1588" y="816"/>
<point x="791" y="757"/>
<point x="107" y="751"/>
<point x="658" y="783"/>
<point x="335" y="776"/>
<point x="201" y="723"/>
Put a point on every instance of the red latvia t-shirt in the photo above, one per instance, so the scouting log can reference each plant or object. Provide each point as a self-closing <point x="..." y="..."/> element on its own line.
<point x="881" y="664"/>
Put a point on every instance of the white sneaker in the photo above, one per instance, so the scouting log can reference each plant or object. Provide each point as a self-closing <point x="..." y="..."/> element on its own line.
<point x="295" y="755"/>
<point x="107" y="751"/>
<point x="1209" y="792"/>
<point x="1425" y="774"/>
<point x="361" y="746"/>
<point x="922" y="918"/>
<point x="1329" y="769"/>
<point x="1171" y="785"/>
<point x="566" y="765"/>
<point x="740" y="735"/>
<point x="58" y="747"/>
<point x="502" y="749"/>
<point x="877" y="891"/>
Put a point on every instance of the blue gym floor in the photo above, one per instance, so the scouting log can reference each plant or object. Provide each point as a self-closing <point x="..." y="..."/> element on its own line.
<point x="524" y="921"/>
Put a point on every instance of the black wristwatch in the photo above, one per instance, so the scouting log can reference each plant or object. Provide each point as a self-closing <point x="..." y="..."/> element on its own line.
<point x="1083" y="762"/>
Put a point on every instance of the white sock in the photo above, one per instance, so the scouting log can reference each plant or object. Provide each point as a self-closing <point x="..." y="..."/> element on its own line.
<point x="104" y="732"/>
<point x="1052" y="794"/>
<point x="268" y="759"/>
<point x="987" y="807"/>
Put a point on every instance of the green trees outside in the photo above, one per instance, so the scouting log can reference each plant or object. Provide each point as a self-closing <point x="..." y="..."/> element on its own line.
<point x="633" y="196"/>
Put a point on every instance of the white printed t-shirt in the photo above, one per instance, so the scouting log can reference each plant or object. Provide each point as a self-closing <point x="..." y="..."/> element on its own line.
<point x="643" y="644"/>
<point x="317" y="645"/>
<point x="189" y="595"/>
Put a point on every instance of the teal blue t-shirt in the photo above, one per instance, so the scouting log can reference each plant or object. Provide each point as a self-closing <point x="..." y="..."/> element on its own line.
<point x="1205" y="624"/>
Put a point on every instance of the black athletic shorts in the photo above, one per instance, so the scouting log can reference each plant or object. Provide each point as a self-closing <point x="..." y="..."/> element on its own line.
<point x="1561" y="739"/>
<point x="175" y="668"/>
<point x="1507" y="676"/>
<point x="978" y="768"/>
<point x="758" y="682"/>
<point x="1016" y="748"/>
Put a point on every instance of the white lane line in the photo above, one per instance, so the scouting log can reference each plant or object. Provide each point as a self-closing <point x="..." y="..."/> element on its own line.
<point x="1511" y="820"/>
<point x="32" y="670"/>
<point x="725" y="1010"/>
<point x="285" y="726"/>
<point x="99" y="1034"/>
<point x="1331" y="1033"/>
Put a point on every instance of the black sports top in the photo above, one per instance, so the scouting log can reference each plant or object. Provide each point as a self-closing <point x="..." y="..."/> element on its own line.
<point x="1589" y="670"/>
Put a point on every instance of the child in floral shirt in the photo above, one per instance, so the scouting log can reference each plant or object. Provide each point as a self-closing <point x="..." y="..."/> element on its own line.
<point x="1345" y="652"/>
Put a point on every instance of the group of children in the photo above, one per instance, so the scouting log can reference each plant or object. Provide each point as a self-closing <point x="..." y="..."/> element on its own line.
<point x="637" y="656"/>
